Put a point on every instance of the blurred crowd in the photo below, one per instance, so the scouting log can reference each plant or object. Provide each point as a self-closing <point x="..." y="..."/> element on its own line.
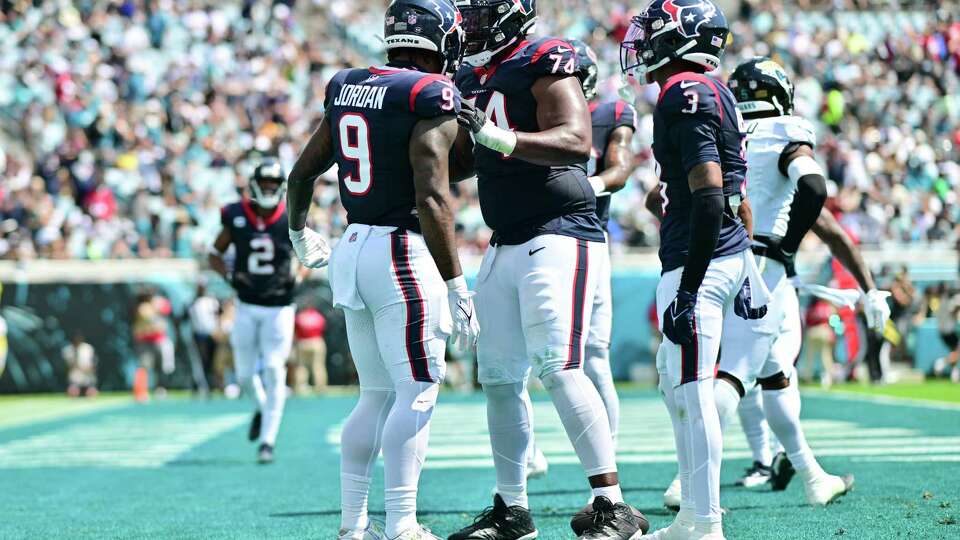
<point x="126" y="124"/>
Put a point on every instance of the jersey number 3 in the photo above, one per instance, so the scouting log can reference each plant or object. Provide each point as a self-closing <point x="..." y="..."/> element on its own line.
<point x="355" y="147"/>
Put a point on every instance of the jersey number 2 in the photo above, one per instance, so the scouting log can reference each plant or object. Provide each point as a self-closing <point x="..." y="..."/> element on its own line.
<point x="261" y="256"/>
<point x="355" y="147"/>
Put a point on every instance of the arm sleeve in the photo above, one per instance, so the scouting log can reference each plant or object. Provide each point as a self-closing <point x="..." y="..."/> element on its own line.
<point x="553" y="57"/>
<point x="225" y="217"/>
<point x="434" y="96"/>
<point x="693" y="116"/>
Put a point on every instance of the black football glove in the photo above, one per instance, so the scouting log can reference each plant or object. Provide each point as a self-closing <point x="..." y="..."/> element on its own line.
<point x="741" y="304"/>
<point x="678" y="318"/>
<point x="470" y="117"/>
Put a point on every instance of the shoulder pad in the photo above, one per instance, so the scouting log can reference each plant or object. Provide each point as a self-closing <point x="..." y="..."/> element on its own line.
<point x="333" y="86"/>
<point x="796" y="129"/>
<point x="690" y="94"/>
<point x="551" y="56"/>
<point x="624" y="114"/>
<point x="434" y="95"/>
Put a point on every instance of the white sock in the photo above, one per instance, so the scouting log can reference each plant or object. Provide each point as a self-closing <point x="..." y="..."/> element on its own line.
<point x="678" y="417"/>
<point x="754" y="425"/>
<point x="611" y="492"/>
<point x="275" y="388"/>
<point x="783" y="413"/>
<point x="406" y="434"/>
<point x="511" y="434"/>
<point x="705" y="444"/>
<point x="360" y="443"/>
<point x="597" y="368"/>
<point x="584" y="418"/>
<point x="727" y="399"/>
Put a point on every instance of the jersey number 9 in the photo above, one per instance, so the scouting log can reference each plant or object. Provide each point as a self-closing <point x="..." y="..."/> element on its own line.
<point x="355" y="147"/>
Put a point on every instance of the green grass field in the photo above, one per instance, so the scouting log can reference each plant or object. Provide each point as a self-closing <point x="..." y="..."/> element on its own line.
<point x="183" y="469"/>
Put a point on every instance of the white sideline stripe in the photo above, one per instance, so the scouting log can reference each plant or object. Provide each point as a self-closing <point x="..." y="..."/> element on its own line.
<point x="116" y="441"/>
<point x="946" y="458"/>
<point x="885" y="400"/>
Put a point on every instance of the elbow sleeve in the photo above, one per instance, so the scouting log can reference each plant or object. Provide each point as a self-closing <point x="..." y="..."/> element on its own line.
<point x="706" y="218"/>
<point x="805" y="209"/>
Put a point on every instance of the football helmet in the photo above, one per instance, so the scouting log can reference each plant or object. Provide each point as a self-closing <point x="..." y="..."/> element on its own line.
<point x="589" y="72"/>
<point x="493" y="25"/>
<point x="432" y="25"/>
<point x="268" y="184"/>
<point x="762" y="86"/>
<point x="668" y="30"/>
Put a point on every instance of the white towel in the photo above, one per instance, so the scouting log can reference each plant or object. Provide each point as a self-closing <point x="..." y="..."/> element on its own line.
<point x="837" y="297"/>
<point x="343" y="267"/>
<point x="760" y="295"/>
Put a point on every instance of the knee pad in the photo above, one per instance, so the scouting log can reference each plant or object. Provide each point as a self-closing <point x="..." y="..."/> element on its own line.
<point x="777" y="381"/>
<point x="732" y="381"/>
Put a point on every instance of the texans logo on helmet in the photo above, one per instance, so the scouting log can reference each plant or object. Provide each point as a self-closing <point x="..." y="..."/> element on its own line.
<point x="450" y="18"/>
<point x="690" y="15"/>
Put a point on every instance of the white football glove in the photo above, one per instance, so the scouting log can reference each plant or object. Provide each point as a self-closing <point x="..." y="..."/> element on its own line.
<point x="466" y="328"/>
<point x="310" y="247"/>
<point x="876" y="309"/>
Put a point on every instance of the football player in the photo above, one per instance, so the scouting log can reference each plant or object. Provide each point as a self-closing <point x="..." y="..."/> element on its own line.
<point x="774" y="467"/>
<point x="707" y="265"/>
<point x="263" y="275"/>
<point x="525" y="111"/>
<point x="395" y="272"/>
<point x="610" y="166"/>
<point x="787" y="189"/>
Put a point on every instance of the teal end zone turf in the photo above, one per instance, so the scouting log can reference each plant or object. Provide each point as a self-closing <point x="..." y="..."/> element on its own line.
<point x="183" y="469"/>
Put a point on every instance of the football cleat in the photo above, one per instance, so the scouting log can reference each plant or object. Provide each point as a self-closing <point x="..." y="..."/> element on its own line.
<point x="602" y="520"/>
<point x="757" y="475"/>
<point x="255" y="422"/>
<point x="781" y="472"/>
<point x="265" y="454"/>
<point x="680" y="529"/>
<point x="671" y="497"/>
<point x="373" y="531"/>
<point x="499" y="522"/>
<point x="537" y="464"/>
<point x="827" y="488"/>
<point x="416" y="533"/>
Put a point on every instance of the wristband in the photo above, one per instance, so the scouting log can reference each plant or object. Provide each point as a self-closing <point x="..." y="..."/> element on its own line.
<point x="597" y="184"/>
<point x="498" y="139"/>
<point x="457" y="284"/>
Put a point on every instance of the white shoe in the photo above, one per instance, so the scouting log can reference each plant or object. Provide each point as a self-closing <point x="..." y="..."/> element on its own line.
<point x="827" y="488"/>
<point x="711" y="531"/>
<point x="416" y="533"/>
<point x="671" y="497"/>
<point x="678" y="530"/>
<point x="537" y="464"/>
<point x="373" y="531"/>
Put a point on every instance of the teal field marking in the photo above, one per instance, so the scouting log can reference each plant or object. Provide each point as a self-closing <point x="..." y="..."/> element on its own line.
<point x="183" y="469"/>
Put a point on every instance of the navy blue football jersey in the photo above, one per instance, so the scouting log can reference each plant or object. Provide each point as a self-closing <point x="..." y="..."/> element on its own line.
<point x="696" y="121"/>
<point x="605" y="118"/>
<point x="263" y="271"/>
<point x="372" y="113"/>
<point x="521" y="200"/>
